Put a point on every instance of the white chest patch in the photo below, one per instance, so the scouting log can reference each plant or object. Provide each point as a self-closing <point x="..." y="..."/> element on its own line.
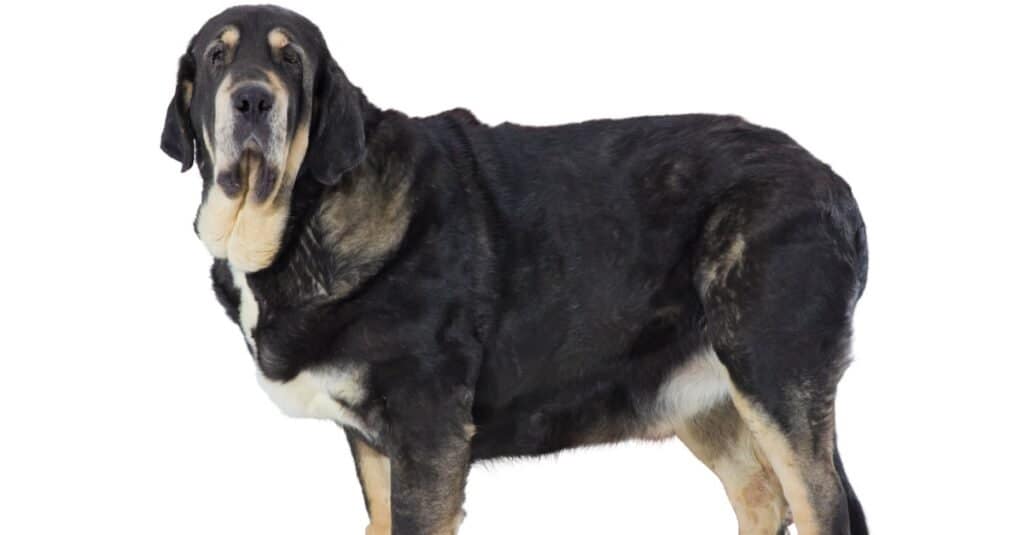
<point x="248" y="308"/>
<point x="313" y="393"/>
<point x="693" y="388"/>
<point x="319" y="394"/>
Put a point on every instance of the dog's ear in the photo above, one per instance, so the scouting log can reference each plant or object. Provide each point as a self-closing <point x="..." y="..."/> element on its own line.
<point x="337" y="142"/>
<point x="178" y="138"/>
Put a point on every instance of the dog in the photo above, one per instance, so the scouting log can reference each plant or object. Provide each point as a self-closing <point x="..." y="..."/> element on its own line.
<point x="448" y="291"/>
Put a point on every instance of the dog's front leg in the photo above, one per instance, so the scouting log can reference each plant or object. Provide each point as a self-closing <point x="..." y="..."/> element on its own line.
<point x="429" y="466"/>
<point x="428" y="488"/>
<point x="374" y="471"/>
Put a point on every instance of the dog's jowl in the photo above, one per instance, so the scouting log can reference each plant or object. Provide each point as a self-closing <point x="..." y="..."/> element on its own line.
<point x="449" y="291"/>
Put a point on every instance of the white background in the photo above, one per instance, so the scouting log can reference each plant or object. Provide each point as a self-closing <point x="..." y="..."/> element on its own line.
<point x="128" y="400"/>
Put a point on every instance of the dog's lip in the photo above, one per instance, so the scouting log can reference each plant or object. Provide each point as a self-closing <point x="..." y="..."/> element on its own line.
<point x="236" y="179"/>
<point x="252" y="143"/>
<point x="251" y="173"/>
<point x="230" y="181"/>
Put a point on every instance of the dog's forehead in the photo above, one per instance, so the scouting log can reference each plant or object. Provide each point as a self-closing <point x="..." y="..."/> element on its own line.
<point x="259" y="21"/>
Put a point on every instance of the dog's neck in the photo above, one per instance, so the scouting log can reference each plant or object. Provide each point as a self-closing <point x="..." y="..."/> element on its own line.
<point x="339" y="237"/>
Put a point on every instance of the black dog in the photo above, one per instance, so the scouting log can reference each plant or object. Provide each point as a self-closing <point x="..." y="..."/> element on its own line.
<point x="450" y="291"/>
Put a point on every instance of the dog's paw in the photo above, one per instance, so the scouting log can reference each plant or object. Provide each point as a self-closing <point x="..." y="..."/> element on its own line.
<point x="378" y="529"/>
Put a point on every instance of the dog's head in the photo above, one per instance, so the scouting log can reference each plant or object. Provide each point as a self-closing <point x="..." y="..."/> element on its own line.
<point x="259" y="104"/>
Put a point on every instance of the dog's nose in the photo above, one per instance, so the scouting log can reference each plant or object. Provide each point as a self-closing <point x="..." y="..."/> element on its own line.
<point x="253" y="102"/>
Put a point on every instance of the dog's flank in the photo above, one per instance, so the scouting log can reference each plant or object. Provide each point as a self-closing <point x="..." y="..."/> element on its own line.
<point x="449" y="291"/>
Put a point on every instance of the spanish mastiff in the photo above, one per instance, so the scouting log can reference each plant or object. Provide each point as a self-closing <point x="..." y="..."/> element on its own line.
<point x="449" y="291"/>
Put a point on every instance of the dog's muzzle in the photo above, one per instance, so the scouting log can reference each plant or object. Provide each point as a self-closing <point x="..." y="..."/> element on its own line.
<point x="243" y="216"/>
<point x="253" y="113"/>
<point x="252" y="106"/>
<point x="253" y="169"/>
<point x="252" y="103"/>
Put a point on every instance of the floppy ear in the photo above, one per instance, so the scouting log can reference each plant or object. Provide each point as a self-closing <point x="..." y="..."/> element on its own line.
<point x="337" y="142"/>
<point x="178" y="139"/>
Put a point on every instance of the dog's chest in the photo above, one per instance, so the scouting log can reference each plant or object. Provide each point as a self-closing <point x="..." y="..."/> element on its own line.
<point x="323" y="392"/>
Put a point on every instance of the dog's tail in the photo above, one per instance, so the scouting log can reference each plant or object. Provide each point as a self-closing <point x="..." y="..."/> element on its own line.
<point x="858" y="523"/>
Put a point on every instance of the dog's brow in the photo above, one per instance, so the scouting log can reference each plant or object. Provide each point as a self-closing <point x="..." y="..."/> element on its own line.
<point x="230" y="35"/>
<point x="278" y="38"/>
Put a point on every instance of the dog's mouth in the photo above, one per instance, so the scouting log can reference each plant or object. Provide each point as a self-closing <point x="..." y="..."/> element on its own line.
<point x="252" y="172"/>
<point x="244" y="212"/>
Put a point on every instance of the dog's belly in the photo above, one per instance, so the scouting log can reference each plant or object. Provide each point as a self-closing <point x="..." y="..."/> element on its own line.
<point x="611" y="412"/>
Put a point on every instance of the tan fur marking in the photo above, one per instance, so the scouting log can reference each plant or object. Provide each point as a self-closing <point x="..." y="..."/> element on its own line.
<point x="276" y="86"/>
<point x="719" y="268"/>
<point x="206" y="141"/>
<point x="230" y="35"/>
<point x="277" y="38"/>
<point x="297" y="151"/>
<point x="259" y="228"/>
<point x="366" y="223"/>
<point x="456" y="524"/>
<point x="375" y="475"/>
<point x="186" y="92"/>
<point x="285" y="179"/>
<point x="722" y="441"/>
<point x="257" y="234"/>
<point x="218" y="212"/>
<point x="785" y="462"/>
<point x="375" y="529"/>
<point x="216" y="220"/>
<point x="734" y="255"/>
<point x="713" y="433"/>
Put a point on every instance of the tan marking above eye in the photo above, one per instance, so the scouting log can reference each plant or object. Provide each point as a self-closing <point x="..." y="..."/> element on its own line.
<point x="277" y="38"/>
<point x="230" y="35"/>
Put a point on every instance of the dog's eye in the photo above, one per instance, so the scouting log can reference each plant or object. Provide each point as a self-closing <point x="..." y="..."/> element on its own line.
<point x="290" y="56"/>
<point x="217" y="56"/>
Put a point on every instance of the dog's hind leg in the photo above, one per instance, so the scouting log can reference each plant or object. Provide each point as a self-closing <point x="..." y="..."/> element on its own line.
<point x="374" y="471"/>
<point x="722" y="441"/>
<point x="779" y="288"/>
<point x="804" y="466"/>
